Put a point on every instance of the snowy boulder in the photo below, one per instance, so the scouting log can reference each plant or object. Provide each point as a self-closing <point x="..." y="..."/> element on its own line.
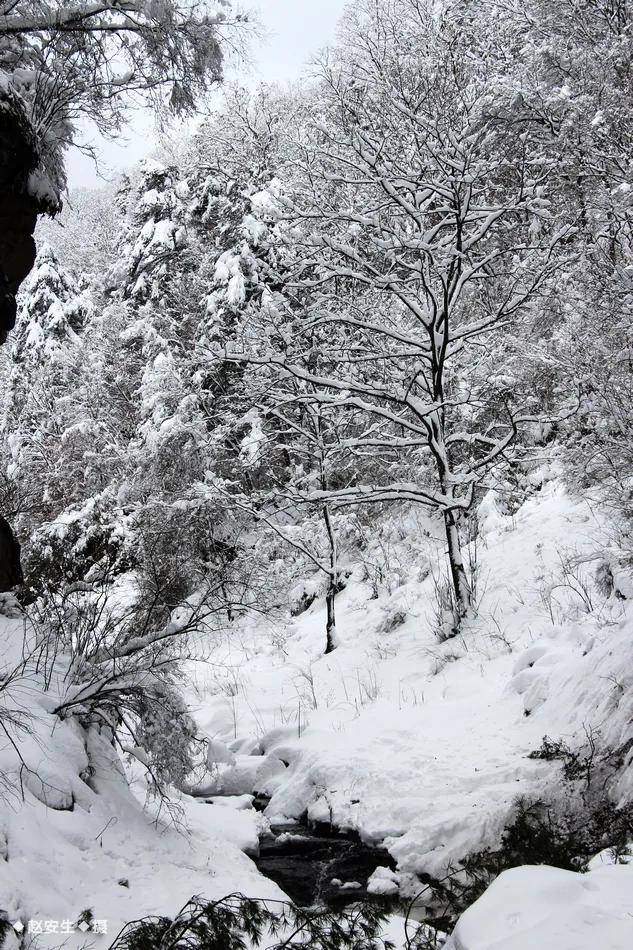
<point x="268" y="776"/>
<point x="623" y="584"/>
<point x="489" y="516"/>
<point x="524" y="680"/>
<point x="48" y="792"/>
<point x="218" y="754"/>
<point x="552" y="909"/>
<point x="383" y="882"/>
<point x="239" y="778"/>
<point x="234" y="802"/>
<point x="529" y="657"/>
<point x="246" y="746"/>
<point x="244" y="775"/>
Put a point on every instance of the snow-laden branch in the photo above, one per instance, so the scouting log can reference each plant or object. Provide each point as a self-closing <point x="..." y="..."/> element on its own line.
<point x="89" y="18"/>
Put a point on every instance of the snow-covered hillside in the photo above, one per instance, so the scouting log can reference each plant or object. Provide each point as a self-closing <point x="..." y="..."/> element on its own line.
<point x="316" y="494"/>
<point x="368" y="738"/>
<point x="75" y="834"/>
<point x="374" y="733"/>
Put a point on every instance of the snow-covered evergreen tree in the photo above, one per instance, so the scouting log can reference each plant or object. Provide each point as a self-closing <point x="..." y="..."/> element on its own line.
<point x="42" y="372"/>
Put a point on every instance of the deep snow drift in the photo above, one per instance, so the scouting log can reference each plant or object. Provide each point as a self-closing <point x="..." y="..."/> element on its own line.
<point x="530" y="907"/>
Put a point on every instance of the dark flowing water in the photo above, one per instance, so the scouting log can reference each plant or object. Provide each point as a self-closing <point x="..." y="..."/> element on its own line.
<point x="307" y="863"/>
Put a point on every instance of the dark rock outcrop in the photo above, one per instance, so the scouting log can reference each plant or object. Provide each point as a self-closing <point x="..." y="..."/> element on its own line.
<point x="19" y="158"/>
<point x="10" y="568"/>
<point x="20" y="204"/>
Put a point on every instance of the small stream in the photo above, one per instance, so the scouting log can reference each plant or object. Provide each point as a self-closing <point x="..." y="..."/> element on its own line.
<point x="320" y="865"/>
<point x="315" y="864"/>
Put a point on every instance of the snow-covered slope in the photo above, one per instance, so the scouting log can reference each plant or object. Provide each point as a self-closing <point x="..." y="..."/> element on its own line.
<point x="421" y="744"/>
<point x="417" y="744"/>
<point x="74" y="835"/>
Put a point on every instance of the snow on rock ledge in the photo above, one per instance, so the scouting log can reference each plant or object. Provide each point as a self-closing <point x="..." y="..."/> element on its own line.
<point x="545" y="907"/>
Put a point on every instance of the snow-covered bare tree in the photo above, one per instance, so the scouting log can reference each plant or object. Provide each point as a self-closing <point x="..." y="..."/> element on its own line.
<point x="418" y="237"/>
<point x="86" y="231"/>
<point x="299" y="452"/>
<point x="86" y="60"/>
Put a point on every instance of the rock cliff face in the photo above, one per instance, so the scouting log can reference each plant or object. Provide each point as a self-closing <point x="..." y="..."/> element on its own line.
<point x="19" y="208"/>
<point x="10" y="568"/>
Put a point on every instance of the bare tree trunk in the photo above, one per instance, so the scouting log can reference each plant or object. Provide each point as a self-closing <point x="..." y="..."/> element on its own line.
<point x="461" y="587"/>
<point x="459" y="579"/>
<point x="330" y="623"/>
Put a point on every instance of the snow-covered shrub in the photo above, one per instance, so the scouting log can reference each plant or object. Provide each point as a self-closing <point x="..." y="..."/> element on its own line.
<point x="394" y="617"/>
<point x="66" y="549"/>
<point x="168" y="569"/>
<point x="603" y="578"/>
<point x="166" y="733"/>
<point x="200" y="548"/>
<point x="426" y="937"/>
<point x="445" y="625"/>
<point x="122" y="661"/>
<point x="304" y="594"/>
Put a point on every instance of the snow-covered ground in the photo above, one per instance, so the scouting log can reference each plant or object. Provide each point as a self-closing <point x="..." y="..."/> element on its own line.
<point x="423" y="745"/>
<point x="550" y="909"/>
<point x="419" y="745"/>
<point x="74" y="836"/>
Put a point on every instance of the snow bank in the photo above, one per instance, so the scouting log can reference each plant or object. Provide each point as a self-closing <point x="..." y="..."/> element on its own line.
<point x="75" y="836"/>
<point x="549" y="909"/>
<point x="418" y="745"/>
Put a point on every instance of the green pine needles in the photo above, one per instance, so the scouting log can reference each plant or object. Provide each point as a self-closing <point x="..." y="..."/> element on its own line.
<point x="236" y="922"/>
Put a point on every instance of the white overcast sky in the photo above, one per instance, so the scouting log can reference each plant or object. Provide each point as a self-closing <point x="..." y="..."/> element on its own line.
<point x="296" y="30"/>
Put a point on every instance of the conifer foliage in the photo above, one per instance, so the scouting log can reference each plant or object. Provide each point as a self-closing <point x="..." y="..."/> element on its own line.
<point x="226" y="924"/>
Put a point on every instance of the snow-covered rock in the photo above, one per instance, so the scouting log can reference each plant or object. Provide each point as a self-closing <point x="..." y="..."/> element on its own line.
<point x="243" y="775"/>
<point x="383" y="882"/>
<point x="218" y="753"/>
